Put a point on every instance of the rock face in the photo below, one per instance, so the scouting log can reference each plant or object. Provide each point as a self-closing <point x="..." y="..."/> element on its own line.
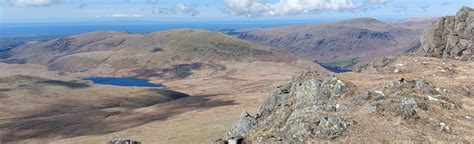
<point x="450" y="37"/>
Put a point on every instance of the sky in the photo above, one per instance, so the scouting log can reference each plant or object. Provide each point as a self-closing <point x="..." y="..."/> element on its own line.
<point x="26" y="11"/>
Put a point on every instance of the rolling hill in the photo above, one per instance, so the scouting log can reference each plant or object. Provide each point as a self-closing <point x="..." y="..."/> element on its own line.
<point x="159" y="53"/>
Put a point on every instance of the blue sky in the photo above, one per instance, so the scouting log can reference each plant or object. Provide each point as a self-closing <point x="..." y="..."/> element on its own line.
<point x="18" y="11"/>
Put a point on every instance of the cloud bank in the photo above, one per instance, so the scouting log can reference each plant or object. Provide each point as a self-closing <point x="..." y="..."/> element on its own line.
<point x="34" y="3"/>
<point x="177" y="8"/>
<point x="252" y="8"/>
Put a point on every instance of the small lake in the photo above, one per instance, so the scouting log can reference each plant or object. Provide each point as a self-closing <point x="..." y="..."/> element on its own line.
<point x="122" y="81"/>
<point x="336" y="69"/>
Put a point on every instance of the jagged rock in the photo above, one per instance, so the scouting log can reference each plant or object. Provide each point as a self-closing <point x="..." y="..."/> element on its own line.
<point x="119" y="141"/>
<point x="407" y="107"/>
<point x="443" y="101"/>
<point x="328" y="127"/>
<point x="393" y="86"/>
<point x="400" y="85"/>
<point x="243" y="127"/>
<point x="292" y="113"/>
<point x="425" y="87"/>
<point x="399" y="67"/>
<point x="366" y="68"/>
<point x="335" y="107"/>
<point x="414" y="86"/>
<point x="441" y="91"/>
<point x="342" y="107"/>
<point x="373" y="107"/>
<point x="446" y="104"/>
<point x="369" y="96"/>
<point x="450" y="37"/>
<point x="445" y="128"/>
<point x="374" y="67"/>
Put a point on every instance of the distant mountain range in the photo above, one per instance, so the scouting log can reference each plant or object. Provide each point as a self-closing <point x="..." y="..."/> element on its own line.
<point x="344" y="43"/>
<point x="337" y="46"/>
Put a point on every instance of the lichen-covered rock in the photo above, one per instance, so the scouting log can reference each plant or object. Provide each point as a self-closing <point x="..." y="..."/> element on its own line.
<point x="374" y="67"/>
<point x="328" y="127"/>
<point x="445" y="128"/>
<point x="243" y="127"/>
<point x="425" y="87"/>
<point x="450" y="37"/>
<point x="369" y="96"/>
<point x="407" y="107"/>
<point x="293" y="112"/>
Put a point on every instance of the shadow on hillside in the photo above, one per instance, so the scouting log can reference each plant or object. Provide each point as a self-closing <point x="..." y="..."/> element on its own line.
<point x="67" y="121"/>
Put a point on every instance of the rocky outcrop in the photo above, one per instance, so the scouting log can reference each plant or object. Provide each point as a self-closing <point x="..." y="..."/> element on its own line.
<point x="450" y="37"/>
<point x="374" y="67"/>
<point x="317" y="107"/>
<point x="304" y="108"/>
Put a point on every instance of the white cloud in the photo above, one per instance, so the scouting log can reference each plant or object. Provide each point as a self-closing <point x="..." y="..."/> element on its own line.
<point x="379" y="1"/>
<point x="185" y="9"/>
<point x="35" y="3"/>
<point x="120" y="15"/>
<point x="285" y="7"/>
<point x="177" y="8"/>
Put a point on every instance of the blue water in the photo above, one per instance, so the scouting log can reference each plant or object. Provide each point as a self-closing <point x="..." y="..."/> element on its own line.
<point x="336" y="69"/>
<point x="122" y="81"/>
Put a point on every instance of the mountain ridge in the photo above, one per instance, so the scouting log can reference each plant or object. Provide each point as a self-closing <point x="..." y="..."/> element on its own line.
<point x="361" y="39"/>
<point x="115" y="51"/>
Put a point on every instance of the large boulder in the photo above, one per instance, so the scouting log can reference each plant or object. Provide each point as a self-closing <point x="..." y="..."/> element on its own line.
<point x="450" y="37"/>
